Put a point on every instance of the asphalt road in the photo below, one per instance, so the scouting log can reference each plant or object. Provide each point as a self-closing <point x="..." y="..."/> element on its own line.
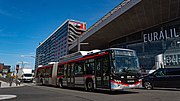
<point x="45" y="93"/>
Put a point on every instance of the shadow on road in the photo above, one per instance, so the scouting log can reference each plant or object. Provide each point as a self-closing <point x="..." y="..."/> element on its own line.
<point x="115" y="92"/>
<point x="168" y="89"/>
<point x="103" y="91"/>
<point x="162" y="89"/>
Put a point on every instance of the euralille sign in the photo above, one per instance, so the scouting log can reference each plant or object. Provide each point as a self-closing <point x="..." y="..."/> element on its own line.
<point x="161" y="35"/>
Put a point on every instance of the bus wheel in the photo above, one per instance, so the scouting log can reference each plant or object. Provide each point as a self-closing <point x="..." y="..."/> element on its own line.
<point x="60" y="84"/>
<point x="89" y="86"/>
<point x="148" y="85"/>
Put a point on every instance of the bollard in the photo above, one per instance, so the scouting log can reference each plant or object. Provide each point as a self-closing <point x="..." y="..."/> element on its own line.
<point x="0" y="84"/>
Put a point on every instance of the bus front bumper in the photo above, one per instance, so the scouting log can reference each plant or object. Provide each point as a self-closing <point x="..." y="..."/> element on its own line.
<point x="120" y="86"/>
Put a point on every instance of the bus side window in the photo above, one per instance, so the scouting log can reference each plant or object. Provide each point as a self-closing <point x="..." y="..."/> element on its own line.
<point x="98" y="69"/>
<point x="92" y="67"/>
<point x="48" y="72"/>
<point x="65" y="71"/>
<point x="89" y="66"/>
<point x="68" y="71"/>
<point x="84" y="68"/>
<point x="38" y="73"/>
<point x="60" y="70"/>
<point x="42" y="73"/>
<point x="78" y="69"/>
<point x="105" y="65"/>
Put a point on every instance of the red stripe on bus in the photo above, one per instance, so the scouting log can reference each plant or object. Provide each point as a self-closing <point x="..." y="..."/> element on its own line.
<point x="49" y="66"/>
<point x="88" y="76"/>
<point x="124" y="83"/>
<point x="115" y="82"/>
<point x="119" y="83"/>
<point x="59" y="76"/>
<point x="84" y="58"/>
<point x="138" y="82"/>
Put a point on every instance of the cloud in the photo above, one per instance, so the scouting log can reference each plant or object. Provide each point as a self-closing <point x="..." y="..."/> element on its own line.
<point x="5" y="33"/>
<point x="8" y="54"/>
<point x="12" y="13"/>
<point x="28" y="56"/>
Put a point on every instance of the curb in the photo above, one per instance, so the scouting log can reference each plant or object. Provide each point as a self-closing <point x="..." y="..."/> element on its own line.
<point x="3" y="97"/>
<point x="6" y="85"/>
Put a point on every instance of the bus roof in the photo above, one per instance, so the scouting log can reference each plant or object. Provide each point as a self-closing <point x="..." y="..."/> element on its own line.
<point x="118" y="49"/>
<point x="73" y="56"/>
<point x="81" y="54"/>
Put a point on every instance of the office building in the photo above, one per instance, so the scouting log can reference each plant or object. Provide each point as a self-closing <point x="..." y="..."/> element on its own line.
<point x="57" y="44"/>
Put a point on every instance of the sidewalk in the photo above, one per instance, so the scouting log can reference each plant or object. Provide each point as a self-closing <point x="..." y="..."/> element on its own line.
<point x="5" y="84"/>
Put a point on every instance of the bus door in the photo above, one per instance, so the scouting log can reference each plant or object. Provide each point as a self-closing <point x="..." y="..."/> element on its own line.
<point x="48" y="76"/>
<point x="39" y="75"/>
<point x="102" y="72"/>
<point x="79" y="74"/>
<point x="70" y="75"/>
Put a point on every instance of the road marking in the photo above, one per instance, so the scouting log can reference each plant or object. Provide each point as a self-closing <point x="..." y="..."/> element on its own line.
<point x="3" y="97"/>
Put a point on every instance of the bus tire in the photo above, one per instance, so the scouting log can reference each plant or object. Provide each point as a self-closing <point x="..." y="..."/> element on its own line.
<point x="89" y="85"/>
<point x="148" y="85"/>
<point x="60" y="84"/>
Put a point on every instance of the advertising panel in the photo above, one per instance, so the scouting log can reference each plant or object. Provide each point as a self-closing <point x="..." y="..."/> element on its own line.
<point x="78" y="25"/>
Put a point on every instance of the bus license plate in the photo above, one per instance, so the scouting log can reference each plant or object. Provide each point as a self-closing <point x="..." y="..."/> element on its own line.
<point x="131" y="85"/>
<point x="129" y="81"/>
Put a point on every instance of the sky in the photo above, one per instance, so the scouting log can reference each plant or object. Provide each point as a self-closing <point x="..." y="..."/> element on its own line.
<point x="25" y="23"/>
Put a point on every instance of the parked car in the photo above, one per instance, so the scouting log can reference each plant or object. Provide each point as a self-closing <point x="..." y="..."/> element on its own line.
<point x="163" y="77"/>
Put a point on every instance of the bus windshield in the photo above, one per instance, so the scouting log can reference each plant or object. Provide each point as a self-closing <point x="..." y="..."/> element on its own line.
<point x="27" y="75"/>
<point x="125" y="63"/>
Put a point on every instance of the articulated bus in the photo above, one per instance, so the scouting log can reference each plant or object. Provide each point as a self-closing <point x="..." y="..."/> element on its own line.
<point x="46" y="75"/>
<point x="112" y="69"/>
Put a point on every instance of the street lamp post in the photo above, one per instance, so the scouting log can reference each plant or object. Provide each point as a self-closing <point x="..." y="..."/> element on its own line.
<point x="79" y="44"/>
<point x="26" y="56"/>
<point x="22" y="63"/>
<point x="37" y="59"/>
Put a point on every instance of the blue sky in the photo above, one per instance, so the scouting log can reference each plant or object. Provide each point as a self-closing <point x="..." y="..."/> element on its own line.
<point x="25" y="23"/>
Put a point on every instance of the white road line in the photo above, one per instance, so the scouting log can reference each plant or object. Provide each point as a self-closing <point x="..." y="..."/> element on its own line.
<point x="3" y="97"/>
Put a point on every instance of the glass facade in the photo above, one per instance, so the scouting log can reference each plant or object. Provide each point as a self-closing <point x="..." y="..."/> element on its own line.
<point x="57" y="44"/>
<point x="156" y="47"/>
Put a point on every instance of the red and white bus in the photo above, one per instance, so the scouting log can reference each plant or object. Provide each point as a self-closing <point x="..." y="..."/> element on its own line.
<point x="112" y="69"/>
<point x="46" y="75"/>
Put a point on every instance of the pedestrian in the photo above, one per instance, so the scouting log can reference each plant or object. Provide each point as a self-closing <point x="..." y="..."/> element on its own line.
<point x="10" y="81"/>
<point x="10" y="77"/>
